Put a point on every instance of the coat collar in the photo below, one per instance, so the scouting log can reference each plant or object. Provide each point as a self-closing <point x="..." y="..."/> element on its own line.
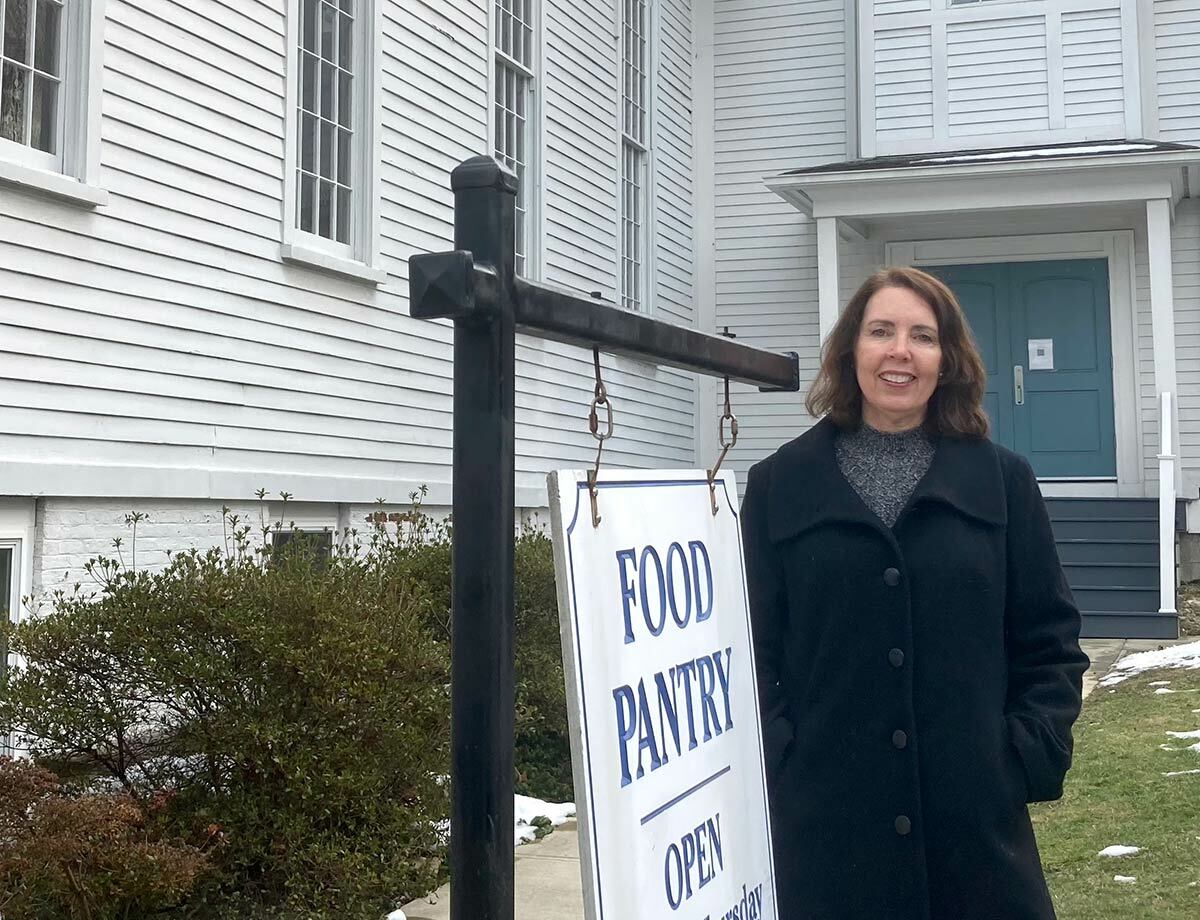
<point x="807" y="488"/>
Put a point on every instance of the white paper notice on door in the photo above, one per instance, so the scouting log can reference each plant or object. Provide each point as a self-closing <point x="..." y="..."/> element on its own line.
<point x="1041" y="354"/>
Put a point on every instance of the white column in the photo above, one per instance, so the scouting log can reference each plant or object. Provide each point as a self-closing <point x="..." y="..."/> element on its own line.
<point x="1162" y="301"/>
<point x="828" y="268"/>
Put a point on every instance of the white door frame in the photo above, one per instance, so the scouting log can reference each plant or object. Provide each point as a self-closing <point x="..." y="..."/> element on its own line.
<point x="1117" y="247"/>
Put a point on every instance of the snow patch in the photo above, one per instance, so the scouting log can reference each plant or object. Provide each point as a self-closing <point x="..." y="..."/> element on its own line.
<point x="1125" y="879"/>
<point x="1195" y="734"/>
<point x="526" y="810"/>
<point x="397" y="914"/>
<point x="1181" y="772"/>
<point x="1178" y="656"/>
<point x="1119" y="849"/>
<point x="1159" y="683"/>
<point x="1163" y="690"/>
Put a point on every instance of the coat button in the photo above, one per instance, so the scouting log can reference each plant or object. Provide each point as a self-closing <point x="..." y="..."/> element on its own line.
<point x="896" y="658"/>
<point x="903" y="825"/>
<point x="899" y="739"/>
<point x="891" y="577"/>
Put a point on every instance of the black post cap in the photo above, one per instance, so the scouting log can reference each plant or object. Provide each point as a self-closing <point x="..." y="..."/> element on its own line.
<point x="483" y="172"/>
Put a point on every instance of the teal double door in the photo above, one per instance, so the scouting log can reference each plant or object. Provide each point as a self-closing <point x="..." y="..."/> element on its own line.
<point x="1044" y="332"/>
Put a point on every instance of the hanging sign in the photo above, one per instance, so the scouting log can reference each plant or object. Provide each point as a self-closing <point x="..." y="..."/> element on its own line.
<point x="665" y="734"/>
<point x="1041" y="354"/>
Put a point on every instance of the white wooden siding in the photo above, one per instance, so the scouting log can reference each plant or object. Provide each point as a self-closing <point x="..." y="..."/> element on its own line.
<point x="1093" y="81"/>
<point x="1185" y="236"/>
<point x="996" y="74"/>
<point x="780" y="103"/>
<point x="158" y="346"/>
<point x="1177" y="51"/>
<point x="904" y="84"/>
<point x="997" y="77"/>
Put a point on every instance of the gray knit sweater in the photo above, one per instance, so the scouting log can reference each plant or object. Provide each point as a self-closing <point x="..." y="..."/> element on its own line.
<point x="884" y="467"/>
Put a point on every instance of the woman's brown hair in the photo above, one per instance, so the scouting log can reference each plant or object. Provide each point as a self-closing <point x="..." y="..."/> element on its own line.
<point x="956" y="406"/>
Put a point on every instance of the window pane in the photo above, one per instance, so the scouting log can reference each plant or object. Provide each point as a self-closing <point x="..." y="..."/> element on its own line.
<point x="308" y="197"/>
<point x="12" y="104"/>
<point x="328" y="31"/>
<point x="44" y="134"/>
<point x="325" y="211"/>
<point x="346" y="43"/>
<point x="327" y="141"/>
<point x="348" y="6"/>
<point x="308" y="83"/>
<point x="46" y="39"/>
<point x="308" y="144"/>
<point x="344" y="158"/>
<point x="6" y="581"/>
<point x="328" y="89"/>
<point x="311" y="18"/>
<point x="345" y="100"/>
<point x="16" y="30"/>
<point x="343" y="215"/>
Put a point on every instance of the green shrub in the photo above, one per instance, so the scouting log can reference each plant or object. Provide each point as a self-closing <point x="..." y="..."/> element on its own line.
<point x="297" y="713"/>
<point x="295" y="710"/>
<point x="83" y="856"/>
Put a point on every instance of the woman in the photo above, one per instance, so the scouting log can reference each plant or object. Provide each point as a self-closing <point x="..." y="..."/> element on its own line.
<point x="916" y="642"/>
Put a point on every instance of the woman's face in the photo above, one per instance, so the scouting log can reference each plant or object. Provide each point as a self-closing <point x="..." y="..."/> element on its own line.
<point x="897" y="359"/>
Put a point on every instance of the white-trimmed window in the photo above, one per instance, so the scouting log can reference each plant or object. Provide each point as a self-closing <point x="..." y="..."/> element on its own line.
<point x="635" y="153"/>
<point x="330" y="215"/>
<point x="514" y="88"/>
<point x="50" y="95"/>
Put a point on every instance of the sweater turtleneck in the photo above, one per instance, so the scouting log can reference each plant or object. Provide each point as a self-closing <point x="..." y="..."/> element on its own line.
<point x="884" y="467"/>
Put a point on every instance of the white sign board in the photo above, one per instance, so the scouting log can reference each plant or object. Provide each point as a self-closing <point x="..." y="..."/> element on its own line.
<point x="666" y="740"/>
<point x="1041" y="354"/>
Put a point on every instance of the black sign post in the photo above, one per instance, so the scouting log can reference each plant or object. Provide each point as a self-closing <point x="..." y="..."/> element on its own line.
<point x="476" y="286"/>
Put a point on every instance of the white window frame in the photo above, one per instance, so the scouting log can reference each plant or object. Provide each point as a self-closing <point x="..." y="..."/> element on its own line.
<point x="941" y="13"/>
<point x="16" y="533"/>
<point x="73" y="173"/>
<point x="530" y="193"/>
<point x="360" y="259"/>
<point x="641" y="300"/>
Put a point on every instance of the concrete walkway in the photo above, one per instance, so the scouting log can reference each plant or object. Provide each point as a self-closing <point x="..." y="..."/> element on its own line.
<point x="547" y="875"/>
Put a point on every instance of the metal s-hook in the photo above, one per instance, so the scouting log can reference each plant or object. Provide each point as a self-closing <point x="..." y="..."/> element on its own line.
<point x="726" y="443"/>
<point x="599" y="401"/>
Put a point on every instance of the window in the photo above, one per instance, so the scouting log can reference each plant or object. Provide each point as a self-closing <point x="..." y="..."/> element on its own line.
<point x="8" y="602"/>
<point x="50" y="95"/>
<point x="314" y="547"/>
<point x="31" y="76"/>
<point x="514" y="94"/>
<point x="635" y="153"/>
<point x="331" y="200"/>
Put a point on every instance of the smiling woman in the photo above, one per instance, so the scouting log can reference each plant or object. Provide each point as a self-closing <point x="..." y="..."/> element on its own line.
<point x="916" y="645"/>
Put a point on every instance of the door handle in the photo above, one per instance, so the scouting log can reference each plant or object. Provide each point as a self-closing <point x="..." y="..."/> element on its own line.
<point x="1019" y="385"/>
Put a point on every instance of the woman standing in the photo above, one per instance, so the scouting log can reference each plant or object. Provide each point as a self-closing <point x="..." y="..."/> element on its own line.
<point x="916" y="641"/>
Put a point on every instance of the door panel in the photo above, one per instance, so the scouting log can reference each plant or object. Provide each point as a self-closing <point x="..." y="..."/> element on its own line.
<point x="983" y="292"/>
<point x="1069" y="429"/>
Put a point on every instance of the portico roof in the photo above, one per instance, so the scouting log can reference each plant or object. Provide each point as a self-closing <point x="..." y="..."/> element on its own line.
<point x="1048" y="175"/>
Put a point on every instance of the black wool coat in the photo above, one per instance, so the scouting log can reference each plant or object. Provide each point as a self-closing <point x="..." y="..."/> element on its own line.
<point x="918" y="684"/>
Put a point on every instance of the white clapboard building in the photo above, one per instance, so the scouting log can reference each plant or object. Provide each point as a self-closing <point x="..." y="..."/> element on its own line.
<point x="207" y="207"/>
<point x="1037" y="154"/>
<point x="206" y="212"/>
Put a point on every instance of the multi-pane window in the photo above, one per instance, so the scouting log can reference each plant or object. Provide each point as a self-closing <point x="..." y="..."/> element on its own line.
<point x="31" y="65"/>
<point x="634" y="151"/>
<point x="513" y="93"/>
<point x="327" y="118"/>
<point x="7" y="581"/>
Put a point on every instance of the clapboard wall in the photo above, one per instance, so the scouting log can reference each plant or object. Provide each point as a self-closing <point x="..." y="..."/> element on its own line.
<point x="779" y="103"/>
<point x="158" y="346"/>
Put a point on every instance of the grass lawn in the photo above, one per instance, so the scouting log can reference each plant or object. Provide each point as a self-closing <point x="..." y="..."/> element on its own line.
<point x="1116" y="794"/>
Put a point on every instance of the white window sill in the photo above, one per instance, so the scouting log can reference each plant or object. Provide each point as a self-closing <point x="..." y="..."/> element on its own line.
<point x="335" y="265"/>
<point x="52" y="184"/>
